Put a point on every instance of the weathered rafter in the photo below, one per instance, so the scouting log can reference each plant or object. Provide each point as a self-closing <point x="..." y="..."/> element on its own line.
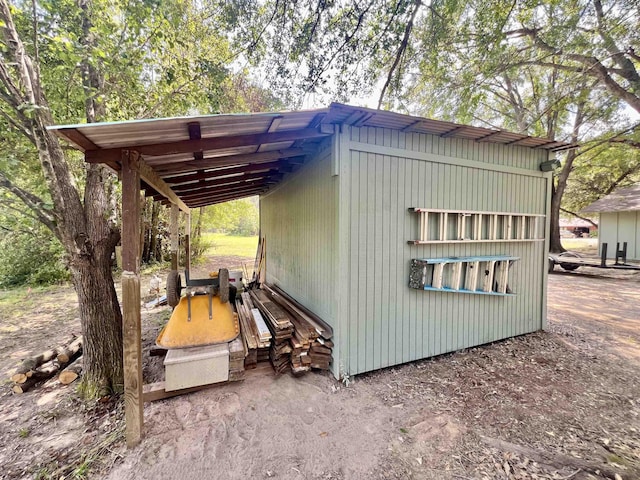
<point x="152" y="179"/>
<point x="211" y="174"/>
<point x="230" y="160"/>
<point x="205" y="144"/>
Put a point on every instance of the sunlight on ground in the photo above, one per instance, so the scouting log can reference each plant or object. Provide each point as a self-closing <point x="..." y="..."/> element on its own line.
<point x="581" y="244"/>
<point x="225" y="245"/>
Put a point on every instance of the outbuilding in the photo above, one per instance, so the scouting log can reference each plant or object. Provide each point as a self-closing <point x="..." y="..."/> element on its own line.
<point x="619" y="220"/>
<point x="410" y="237"/>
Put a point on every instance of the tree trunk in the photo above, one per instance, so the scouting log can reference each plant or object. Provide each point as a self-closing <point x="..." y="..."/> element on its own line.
<point x="555" y="242"/>
<point x="85" y="227"/>
<point x="156" y="254"/>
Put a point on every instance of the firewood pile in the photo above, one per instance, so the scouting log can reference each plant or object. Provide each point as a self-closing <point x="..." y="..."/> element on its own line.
<point x="64" y="360"/>
<point x="297" y="340"/>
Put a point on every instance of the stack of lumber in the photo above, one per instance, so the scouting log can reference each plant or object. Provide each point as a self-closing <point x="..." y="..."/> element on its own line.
<point x="237" y="354"/>
<point x="254" y="331"/>
<point x="311" y="342"/>
<point x="65" y="359"/>
<point x="279" y="323"/>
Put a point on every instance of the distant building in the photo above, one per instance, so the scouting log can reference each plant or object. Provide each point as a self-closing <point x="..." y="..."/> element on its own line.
<point x="576" y="227"/>
<point x="619" y="220"/>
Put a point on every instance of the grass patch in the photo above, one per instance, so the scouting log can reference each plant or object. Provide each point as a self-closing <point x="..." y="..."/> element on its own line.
<point x="589" y="245"/>
<point x="226" y="245"/>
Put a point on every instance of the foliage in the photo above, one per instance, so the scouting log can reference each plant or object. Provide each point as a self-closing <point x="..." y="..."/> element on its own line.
<point x="31" y="258"/>
<point x="599" y="172"/>
<point x="238" y="217"/>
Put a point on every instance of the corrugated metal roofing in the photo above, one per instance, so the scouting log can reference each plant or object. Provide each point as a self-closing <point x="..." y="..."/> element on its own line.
<point x="207" y="145"/>
<point x="622" y="200"/>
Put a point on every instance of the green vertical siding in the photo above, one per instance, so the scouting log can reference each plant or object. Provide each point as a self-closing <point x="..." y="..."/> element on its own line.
<point x="386" y="322"/>
<point x="298" y="220"/>
<point x="339" y="243"/>
<point x="620" y="227"/>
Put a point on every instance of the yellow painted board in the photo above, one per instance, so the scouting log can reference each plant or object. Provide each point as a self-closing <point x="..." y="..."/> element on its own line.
<point x="179" y="332"/>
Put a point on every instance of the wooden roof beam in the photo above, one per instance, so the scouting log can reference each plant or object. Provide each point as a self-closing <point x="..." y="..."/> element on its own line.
<point x="516" y="142"/>
<point x="205" y="144"/>
<point x="211" y="174"/>
<point x="452" y="132"/>
<point x="206" y="198"/>
<point x="152" y="179"/>
<point x="195" y="134"/>
<point x="229" y="198"/>
<point x="230" y="160"/>
<point x="189" y="187"/>
<point x="204" y="192"/>
<point x="486" y="138"/>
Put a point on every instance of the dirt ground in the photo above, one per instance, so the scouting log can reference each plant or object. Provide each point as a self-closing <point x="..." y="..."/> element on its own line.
<point x="558" y="404"/>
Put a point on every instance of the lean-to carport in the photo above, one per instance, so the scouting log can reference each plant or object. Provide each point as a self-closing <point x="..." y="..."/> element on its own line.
<point x="191" y="162"/>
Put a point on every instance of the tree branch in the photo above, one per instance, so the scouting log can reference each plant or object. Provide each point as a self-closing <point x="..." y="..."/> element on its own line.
<point x="33" y="202"/>
<point x="401" y="50"/>
<point x="579" y="216"/>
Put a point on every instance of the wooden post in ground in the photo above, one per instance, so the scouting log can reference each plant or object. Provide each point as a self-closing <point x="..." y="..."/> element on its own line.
<point x="173" y="227"/>
<point x="132" y="334"/>
<point x="187" y="237"/>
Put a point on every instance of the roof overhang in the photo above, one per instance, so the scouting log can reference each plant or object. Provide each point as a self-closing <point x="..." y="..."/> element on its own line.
<point x="202" y="160"/>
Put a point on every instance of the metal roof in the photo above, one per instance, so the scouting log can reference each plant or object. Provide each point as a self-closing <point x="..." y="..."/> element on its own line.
<point x="215" y="158"/>
<point x="622" y="200"/>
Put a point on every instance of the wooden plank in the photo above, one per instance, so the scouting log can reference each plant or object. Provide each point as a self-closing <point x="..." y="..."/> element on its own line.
<point x="230" y="187"/>
<point x="173" y="167"/>
<point x="226" y="189"/>
<point x="158" y="184"/>
<point x="215" y="173"/>
<point x="80" y="139"/>
<point x="236" y="196"/>
<point x="173" y="233"/>
<point x="131" y="318"/>
<point x="205" y="144"/>
<point x="207" y="185"/>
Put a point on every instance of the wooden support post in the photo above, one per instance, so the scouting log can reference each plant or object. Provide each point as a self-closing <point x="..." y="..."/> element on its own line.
<point x="187" y="246"/>
<point x="173" y="228"/>
<point x="132" y="332"/>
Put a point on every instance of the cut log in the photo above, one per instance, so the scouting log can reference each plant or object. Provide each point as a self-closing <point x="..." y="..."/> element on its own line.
<point x="71" y="373"/>
<point x="69" y="351"/>
<point x="23" y="387"/>
<point x="26" y="368"/>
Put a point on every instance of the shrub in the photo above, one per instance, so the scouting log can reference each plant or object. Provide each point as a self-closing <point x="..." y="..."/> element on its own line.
<point x="28" y="259"/>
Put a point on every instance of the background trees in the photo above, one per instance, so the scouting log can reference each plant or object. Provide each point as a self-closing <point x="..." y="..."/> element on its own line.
<point x="65" y="62"/>
<point x="563" y="69"/>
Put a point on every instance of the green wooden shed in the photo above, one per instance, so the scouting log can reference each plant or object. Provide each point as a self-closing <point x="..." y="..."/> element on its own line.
<point x="388" y="197"/>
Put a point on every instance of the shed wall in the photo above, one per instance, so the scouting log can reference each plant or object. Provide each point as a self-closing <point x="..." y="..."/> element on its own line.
<point x="382" y="174"/>
<point x="298" y="220"/>
<point x="620" y="227"/>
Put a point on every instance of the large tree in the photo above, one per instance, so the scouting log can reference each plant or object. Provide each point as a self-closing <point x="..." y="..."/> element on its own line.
<point x="69" y="61"/>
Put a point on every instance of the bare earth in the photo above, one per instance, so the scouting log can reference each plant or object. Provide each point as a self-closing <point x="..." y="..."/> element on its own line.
<point x="514" y="409"/>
